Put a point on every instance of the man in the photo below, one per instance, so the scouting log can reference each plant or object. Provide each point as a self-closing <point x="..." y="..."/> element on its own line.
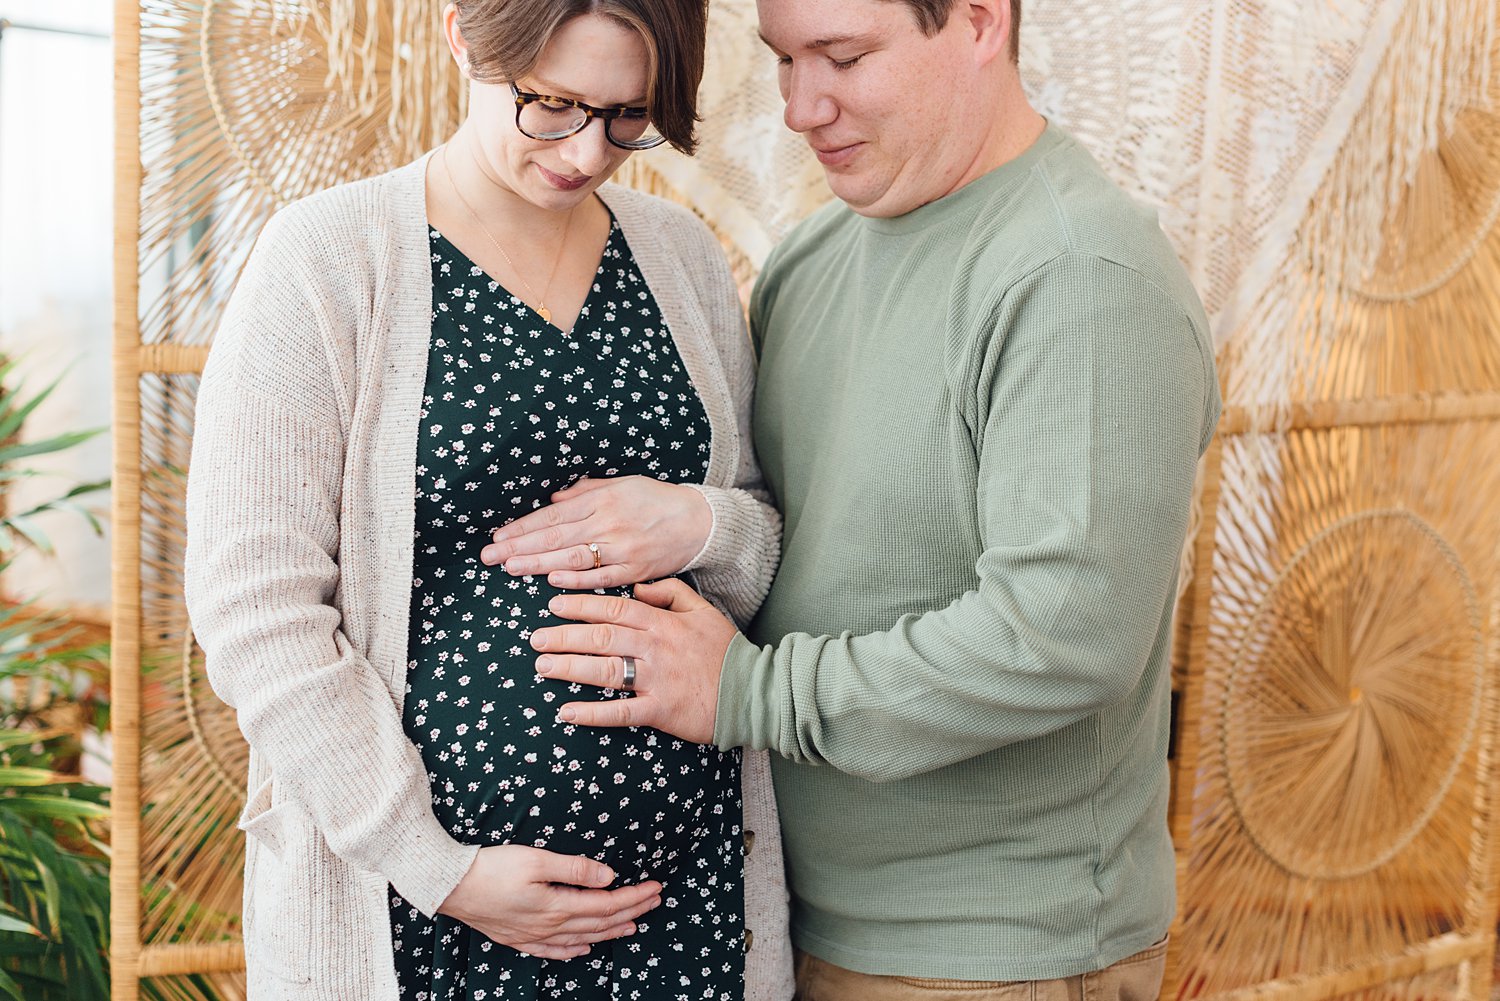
<point x="985" y="383"/>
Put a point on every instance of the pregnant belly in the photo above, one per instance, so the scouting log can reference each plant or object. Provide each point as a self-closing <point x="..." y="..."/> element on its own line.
<point x="504" y="770"/>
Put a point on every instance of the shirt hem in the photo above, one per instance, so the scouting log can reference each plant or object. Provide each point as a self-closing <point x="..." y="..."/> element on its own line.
<point x="889" y="962"/>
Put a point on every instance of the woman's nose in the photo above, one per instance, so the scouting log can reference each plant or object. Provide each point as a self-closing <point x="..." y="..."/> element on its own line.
<point x="588" y="151"/>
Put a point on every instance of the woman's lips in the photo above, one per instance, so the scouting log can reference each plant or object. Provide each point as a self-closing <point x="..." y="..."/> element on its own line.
<point x="837" y="156"/>
<point x="562" y="183"/>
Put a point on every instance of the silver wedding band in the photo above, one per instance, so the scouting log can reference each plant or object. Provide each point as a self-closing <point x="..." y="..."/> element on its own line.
<point x="627" y="683"/>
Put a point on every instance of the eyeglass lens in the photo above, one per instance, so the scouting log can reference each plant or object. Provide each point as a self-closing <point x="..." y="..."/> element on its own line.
<point x="553" y="120"/>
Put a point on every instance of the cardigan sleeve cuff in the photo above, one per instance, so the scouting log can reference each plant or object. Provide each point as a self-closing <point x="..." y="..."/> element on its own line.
<point x="737" y="529"/>
<point x="714" y="544"/>
<point x="427" y="863"/>
<point x="739" y="559"/>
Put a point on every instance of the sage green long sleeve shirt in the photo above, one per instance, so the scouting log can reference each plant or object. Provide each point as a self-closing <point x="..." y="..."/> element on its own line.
<point x="981" y="420"/>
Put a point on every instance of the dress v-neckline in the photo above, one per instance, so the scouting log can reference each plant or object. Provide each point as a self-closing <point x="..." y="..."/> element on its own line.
<point x="588" y="297"/>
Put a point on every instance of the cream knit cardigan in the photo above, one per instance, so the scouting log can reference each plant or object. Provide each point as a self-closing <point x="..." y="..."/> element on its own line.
<point x="299" y="563"/>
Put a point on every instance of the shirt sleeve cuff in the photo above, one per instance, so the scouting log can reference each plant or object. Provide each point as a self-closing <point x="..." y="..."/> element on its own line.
<point x="742" y="662"/>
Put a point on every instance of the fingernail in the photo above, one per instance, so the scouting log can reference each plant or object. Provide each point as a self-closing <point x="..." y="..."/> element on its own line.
<point x="489" y="555"/>
<point x="538" y="640"/>
<point x="544" y="665"/>
<point x="566" y="715"/>
<point x="555" y="604"/>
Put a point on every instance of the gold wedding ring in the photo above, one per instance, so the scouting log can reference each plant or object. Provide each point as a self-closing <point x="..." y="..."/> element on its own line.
<point x="594" y="548"/>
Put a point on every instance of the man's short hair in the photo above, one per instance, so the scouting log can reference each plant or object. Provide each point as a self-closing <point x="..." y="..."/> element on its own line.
<point x="932" y="17"/>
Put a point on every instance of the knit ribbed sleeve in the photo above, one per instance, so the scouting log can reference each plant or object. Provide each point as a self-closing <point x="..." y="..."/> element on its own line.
<point x="1087" y="401"/>
<point x="738" y="560"/>
<point x="263" y="573"/>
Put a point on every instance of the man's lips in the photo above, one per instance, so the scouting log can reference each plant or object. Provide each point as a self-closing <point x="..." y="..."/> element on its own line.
<point x="835" y="156"/>
<point x="563" y="183"/>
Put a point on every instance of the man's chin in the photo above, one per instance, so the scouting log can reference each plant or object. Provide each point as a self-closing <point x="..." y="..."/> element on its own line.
<point x="874" y="201"/>
<point x="855" y="189"/>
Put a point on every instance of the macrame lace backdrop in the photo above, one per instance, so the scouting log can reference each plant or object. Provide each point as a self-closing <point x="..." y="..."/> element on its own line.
<point x="1271" y="136"/>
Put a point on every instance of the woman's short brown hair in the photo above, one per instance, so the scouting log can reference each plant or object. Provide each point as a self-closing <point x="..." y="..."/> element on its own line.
<point x="932" y="17"/>
<point x="506" y="38"/>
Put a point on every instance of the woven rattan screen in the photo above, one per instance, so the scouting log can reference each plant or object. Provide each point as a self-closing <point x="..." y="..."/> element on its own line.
<point x="1342" y="712"/>
<point x="1335" y="814"/>
<point x="1333" y="808"/>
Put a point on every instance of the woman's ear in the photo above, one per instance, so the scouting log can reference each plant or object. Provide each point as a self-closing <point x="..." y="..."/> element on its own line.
<point x="456" y="44"/>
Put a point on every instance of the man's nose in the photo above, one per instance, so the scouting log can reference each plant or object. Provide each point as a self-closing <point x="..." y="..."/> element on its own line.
<point x="808" y="103"/>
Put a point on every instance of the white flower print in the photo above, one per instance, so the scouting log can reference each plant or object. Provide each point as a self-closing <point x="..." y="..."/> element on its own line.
<point x="502" y="768"/>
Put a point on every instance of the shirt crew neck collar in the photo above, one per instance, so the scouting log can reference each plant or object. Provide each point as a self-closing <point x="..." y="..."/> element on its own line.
<point x="968" y="197"/>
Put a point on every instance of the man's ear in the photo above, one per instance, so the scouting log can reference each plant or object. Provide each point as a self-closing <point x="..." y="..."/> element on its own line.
<point x="989" y="21"/>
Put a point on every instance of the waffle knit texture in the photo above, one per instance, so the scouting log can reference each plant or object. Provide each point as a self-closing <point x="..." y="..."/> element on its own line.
<point x="982" y="421"/>
<point x="299" y="563"/>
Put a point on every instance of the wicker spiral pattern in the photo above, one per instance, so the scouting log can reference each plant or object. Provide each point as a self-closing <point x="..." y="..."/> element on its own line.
<point x="1353" y="697"/>
<point x="194" y="759"/>
<point x="1340" y="713"/>
<point x="1335" y="814"/>
<point x="1458" y="182"/>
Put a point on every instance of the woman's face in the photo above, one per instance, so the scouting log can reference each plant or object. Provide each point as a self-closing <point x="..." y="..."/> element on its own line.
<point x="591" y="58"/>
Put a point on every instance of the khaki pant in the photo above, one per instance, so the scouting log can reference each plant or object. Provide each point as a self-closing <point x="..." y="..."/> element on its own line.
<point x="1135" y="978"/>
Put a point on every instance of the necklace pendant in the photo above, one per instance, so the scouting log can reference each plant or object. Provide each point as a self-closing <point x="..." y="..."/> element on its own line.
<point x="545" y="313"/>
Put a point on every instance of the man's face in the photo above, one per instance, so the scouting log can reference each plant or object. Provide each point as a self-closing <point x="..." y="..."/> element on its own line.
<point x="887" y="110"/>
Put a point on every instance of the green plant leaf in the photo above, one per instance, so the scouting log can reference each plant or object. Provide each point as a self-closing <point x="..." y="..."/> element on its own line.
<point x="29" y="946"/>
<point x="12" y="418"/>
<point x="57" y="807"/>
<point x="54" y="868"/>
<point x="25" y="738"/>
<point x="53" y="899"/>
<point x="92" y="487"/>
<point x="57" y="443"/>
<point x="10" y="924"/>
<point x="71" y="507"/>
<point x="10" y="776"/>
<point x="22" y="526"/>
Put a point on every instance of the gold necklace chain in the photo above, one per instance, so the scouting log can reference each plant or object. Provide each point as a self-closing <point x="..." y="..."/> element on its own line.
<point x="541" y="300"/>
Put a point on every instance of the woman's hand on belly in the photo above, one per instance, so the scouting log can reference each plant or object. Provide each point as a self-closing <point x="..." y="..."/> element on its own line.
<point x="545" y="904"/>
<point x="644" y="530"/>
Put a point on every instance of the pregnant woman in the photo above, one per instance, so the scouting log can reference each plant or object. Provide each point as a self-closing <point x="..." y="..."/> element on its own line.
<point x="439" y="398"/>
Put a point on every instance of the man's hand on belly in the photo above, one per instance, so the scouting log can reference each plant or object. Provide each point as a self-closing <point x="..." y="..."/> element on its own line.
<point x="678" y="641"/>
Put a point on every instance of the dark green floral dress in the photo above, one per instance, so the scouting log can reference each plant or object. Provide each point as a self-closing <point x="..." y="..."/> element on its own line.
<point x="515" y="409"/>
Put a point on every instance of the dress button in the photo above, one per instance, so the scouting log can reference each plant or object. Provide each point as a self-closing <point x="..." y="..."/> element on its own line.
<point x="749" y="939"/>
<point x="749" y="842"/>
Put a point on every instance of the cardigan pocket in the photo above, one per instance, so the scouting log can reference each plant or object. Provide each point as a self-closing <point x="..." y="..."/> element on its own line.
<point x="276" y="893"/>
<point x="262" y="820"/>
